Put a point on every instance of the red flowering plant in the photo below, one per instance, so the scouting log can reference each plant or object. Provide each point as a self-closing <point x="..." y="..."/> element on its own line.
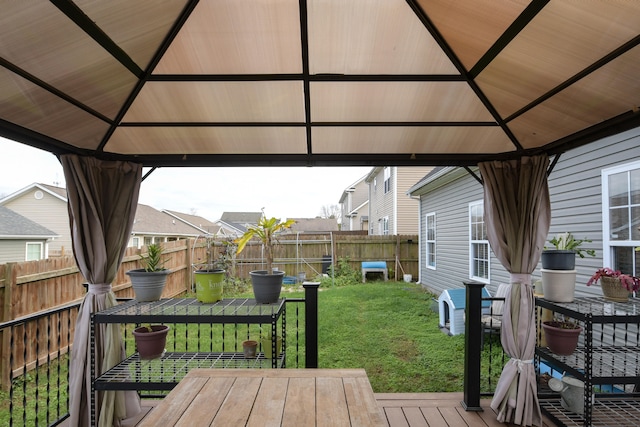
<point x="631" y="283"/>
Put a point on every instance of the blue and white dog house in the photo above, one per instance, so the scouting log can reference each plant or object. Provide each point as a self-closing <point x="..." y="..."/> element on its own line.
<point x="451" y="305"/>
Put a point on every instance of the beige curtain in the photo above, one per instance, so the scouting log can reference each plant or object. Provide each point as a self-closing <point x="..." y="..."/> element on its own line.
<point x="518" y="214"/>
<point x="103" y="196"/>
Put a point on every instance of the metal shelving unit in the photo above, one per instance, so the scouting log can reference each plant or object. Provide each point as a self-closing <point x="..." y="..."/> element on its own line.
<point x="607" y="360"/>
<point x="164" y="373"/>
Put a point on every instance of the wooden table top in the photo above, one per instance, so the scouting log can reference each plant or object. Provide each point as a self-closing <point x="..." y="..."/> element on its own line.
<point x="269" y="397"/>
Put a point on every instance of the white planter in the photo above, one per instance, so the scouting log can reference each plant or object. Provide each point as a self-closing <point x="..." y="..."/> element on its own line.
<point x="407" y="278"/>
<point x="558" y="285"/>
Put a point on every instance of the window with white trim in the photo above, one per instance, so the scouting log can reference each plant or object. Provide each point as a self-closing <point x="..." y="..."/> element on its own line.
<point x="478" y="244"/>
<point x="385" y="226"/>
<point x="34" y="251"/>
<point x="430" y="240"/>
<point x="621" y="217"/>
<point x="387" y="180"/>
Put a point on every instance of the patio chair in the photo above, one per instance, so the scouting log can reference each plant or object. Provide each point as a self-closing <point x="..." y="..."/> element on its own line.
<point x="492" y="322"/>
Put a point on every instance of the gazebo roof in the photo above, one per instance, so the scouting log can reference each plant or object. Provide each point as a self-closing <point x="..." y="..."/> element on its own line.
<point x="317" y="82"/>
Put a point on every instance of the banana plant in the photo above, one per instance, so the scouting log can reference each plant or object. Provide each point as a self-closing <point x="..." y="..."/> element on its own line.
<point x="266" y="231"/>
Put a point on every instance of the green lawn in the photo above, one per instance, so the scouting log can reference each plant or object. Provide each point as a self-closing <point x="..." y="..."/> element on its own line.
<point x="390" y="330"/>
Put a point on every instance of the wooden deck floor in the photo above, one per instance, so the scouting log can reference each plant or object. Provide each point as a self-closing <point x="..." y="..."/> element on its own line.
<point x="411" y="410"/>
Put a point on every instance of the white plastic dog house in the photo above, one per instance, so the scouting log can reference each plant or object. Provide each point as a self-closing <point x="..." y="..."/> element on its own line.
<point x="451" y="304"/>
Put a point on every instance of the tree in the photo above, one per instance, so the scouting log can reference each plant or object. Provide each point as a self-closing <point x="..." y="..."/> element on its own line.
<point x="330" y="211"/>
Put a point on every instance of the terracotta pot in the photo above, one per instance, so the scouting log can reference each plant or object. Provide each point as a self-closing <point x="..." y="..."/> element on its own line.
<point x="249" y="347"/>
<point x="561" y="341"/>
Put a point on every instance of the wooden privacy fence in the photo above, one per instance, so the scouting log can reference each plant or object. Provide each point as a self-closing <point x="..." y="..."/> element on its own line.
<point x="28" y="288"/>
<point x="310" y="254"/>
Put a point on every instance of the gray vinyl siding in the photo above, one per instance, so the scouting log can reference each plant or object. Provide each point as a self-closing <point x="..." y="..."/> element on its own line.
<point x="575" y="187"/>
<point x="15" y="250"/>
<point x="50" y="212"/>
<point x="576" y="206"/>
<point x="450" y="203"/>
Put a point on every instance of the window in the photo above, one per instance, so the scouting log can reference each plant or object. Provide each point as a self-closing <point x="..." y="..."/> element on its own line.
<point x="387" y="180"/>
<point x="621" y="217"/>
<point x="385" y="226"/>
<point x="479" y="245"/>
<point x="34" y="251"/>
<point x="430" y="240"/>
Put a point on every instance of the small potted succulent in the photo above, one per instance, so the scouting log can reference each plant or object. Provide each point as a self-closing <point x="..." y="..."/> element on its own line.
<point x="267" y="284"/>
<point x="616" y="286"/>
<point x="148" y="282"/>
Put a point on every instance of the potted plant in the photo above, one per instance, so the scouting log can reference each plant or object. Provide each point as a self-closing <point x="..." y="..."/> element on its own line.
<point x="208" y="277"/>
<point x="150" y="340"/>
<point x="148" y="282"/>
<point x="266" y="284"/>
<point x="266" y="341"/>
<point x="558" y="267"/>
<point x="561" y="335"/>
<point x="563" y="257"/>
<point x="616" y="286"/>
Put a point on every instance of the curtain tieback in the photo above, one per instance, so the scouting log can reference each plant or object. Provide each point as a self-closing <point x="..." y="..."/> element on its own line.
<point x="522" y="363"/>
<point x="522" y="278"/>
<point x="99" y="288"/>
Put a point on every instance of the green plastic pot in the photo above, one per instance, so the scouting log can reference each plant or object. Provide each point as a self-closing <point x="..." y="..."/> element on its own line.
<point x="209" y="285"/>
<point x="267" y="346"/>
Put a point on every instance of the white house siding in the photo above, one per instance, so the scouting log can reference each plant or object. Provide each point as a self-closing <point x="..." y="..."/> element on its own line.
<point x="407" y="208"/>
<point x="49" y="211"/>
<point x="576" y="206"/>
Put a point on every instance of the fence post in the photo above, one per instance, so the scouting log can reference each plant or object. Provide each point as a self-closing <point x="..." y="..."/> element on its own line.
<point x="7" y="314"/>
<point x="473" y="346"/>
<point x="311" y="323"/>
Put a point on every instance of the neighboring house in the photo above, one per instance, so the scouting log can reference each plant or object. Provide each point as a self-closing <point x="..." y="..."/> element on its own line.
<point x="234" y="224"/>
<point x="208" y="227"/>
<point x="22" y="239"/>
<point x="313" y="225"/>
<point x="391" y="210"/>
<point x="595" y="194"/>
<point x="154" y="226"/>
<point x="45" y="205"/>
<point x="354" y="206"/>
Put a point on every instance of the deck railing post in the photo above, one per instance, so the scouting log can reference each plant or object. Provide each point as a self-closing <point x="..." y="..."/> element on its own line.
<point x="473" y="346"/>
<point x="311" y="323"/>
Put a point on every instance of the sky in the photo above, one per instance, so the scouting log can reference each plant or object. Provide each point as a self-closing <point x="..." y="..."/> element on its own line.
<point x="293" y="192"/>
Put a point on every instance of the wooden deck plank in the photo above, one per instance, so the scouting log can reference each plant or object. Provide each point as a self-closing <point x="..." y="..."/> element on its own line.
<point x="400" y="410"/>
<point x="433" y="416"/>
<point x="415" y="417"/>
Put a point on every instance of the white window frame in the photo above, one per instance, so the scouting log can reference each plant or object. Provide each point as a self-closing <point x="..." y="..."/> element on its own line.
<point x="483" y="242"/>
<point x="430" y="244"/>
<point x="385" y="226"/>
<point x="608" y="244"/>
<point x="40" y="256"/>
<point x="387" y="179"/>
